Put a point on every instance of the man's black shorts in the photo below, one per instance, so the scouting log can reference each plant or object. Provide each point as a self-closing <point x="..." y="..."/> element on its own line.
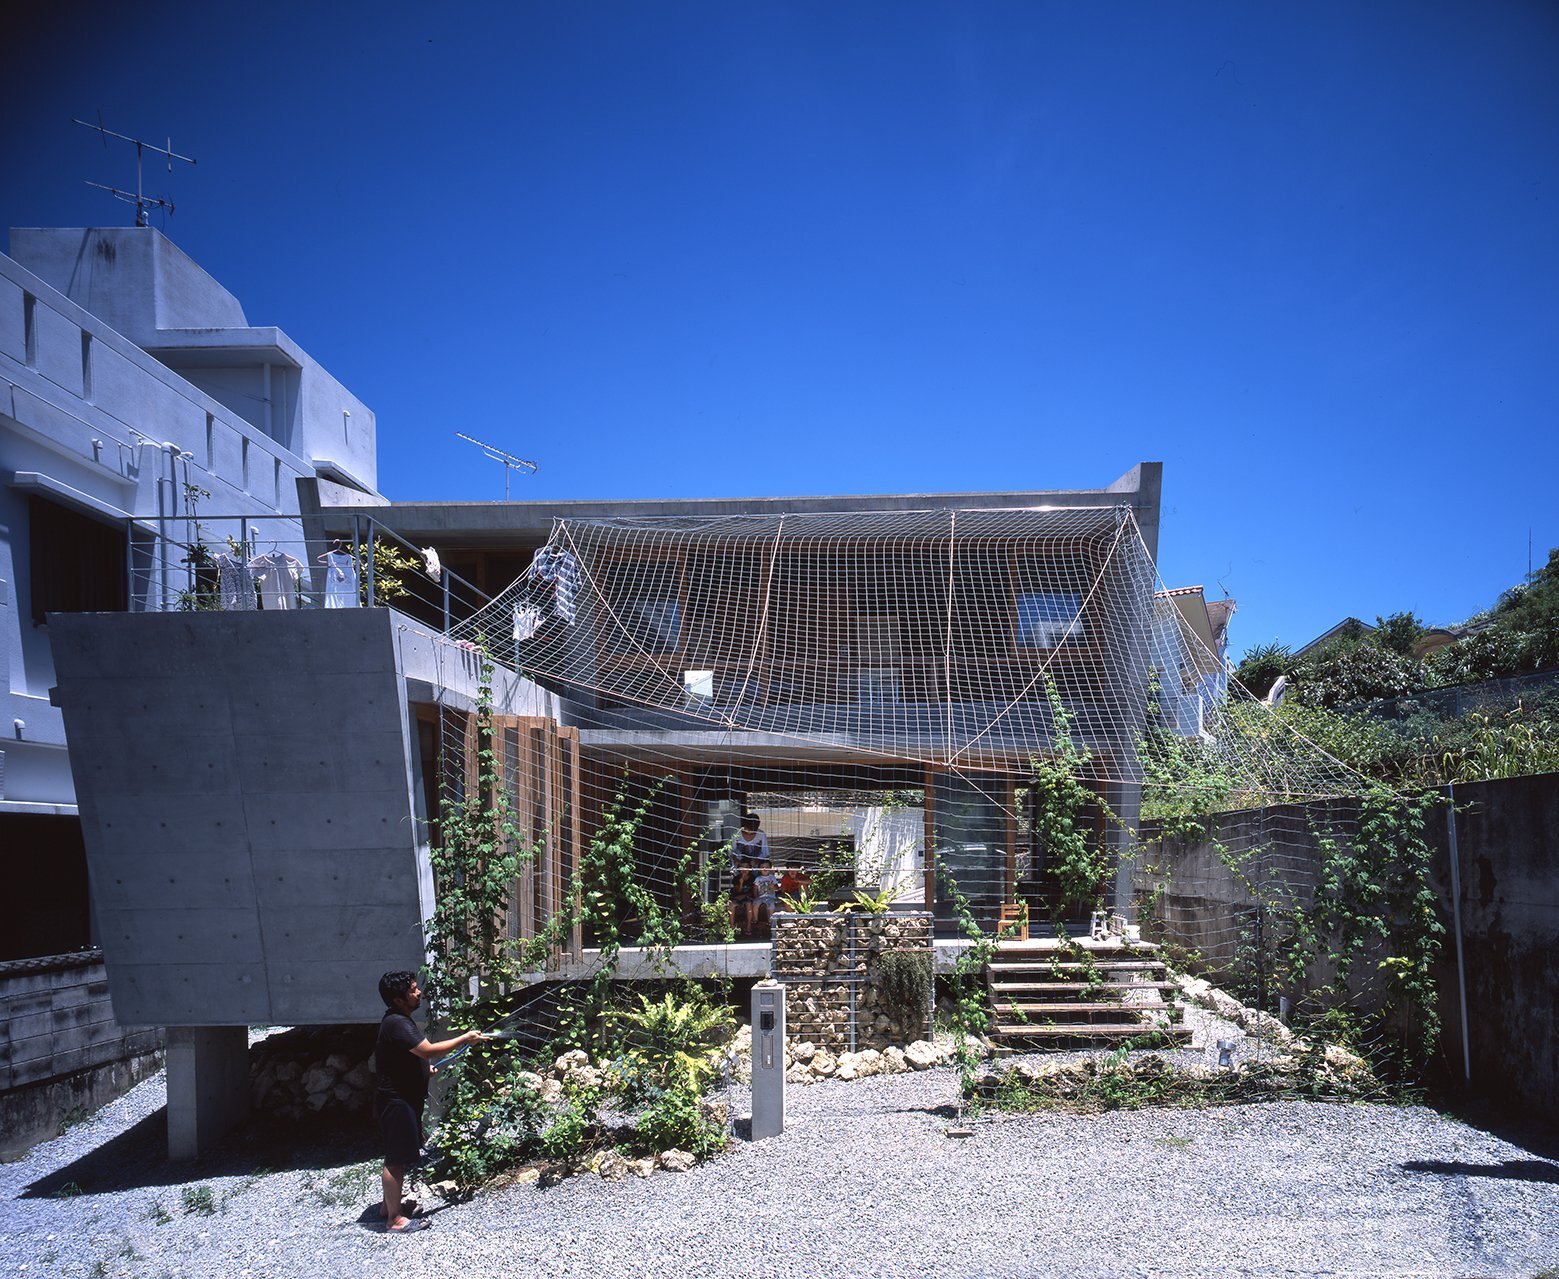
<point x="400" y="1124"/>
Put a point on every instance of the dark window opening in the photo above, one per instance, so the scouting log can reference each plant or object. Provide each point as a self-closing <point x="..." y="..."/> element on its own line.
<point x="78" y="563"/>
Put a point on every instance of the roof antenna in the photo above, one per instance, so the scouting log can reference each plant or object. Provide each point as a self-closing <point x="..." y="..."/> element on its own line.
<point x="142" y="202"/>
<point x="510" y="462"/>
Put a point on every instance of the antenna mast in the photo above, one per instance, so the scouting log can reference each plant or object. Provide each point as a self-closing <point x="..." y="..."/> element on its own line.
<point x="141" y="201"/>
<point x="510" y="462"/>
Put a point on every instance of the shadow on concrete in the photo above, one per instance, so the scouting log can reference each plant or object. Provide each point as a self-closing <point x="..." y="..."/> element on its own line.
<point x="1508" y="1170"/>
<point x="138" y="1157"/>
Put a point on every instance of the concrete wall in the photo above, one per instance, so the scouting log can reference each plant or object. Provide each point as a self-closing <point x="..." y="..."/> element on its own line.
<point x="1507" y="836"/>
<point x="251" y="804"/>
<point x="84" y="415"/>
<point x="62" y="1052"/>
<point x="247" y="804"/>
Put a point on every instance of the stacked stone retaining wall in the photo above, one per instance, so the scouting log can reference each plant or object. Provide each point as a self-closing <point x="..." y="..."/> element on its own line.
<point x="832" y="967"/>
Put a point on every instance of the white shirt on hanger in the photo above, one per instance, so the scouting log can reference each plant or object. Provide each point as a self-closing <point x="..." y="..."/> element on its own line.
<point x="277" y="573"/>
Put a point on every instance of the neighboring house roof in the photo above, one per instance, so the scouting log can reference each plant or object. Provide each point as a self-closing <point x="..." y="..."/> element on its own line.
<point x="1326" y="637"/>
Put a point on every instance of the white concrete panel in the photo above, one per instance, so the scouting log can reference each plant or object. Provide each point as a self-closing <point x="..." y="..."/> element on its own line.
<point x="343" y="991"/>
<point x="187" y="764"/>
<point x="135" y="825"/>
<point x="147" y="706"/>
<point x="12" y="334"/>
<point x="355" y="703"/>
<point x="58" y="348"/>
<point x="354" y="877"/>
<point x="319" y="761"/>
<point x="326" y="933"/>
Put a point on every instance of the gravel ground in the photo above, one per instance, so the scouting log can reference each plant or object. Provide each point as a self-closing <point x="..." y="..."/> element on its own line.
<point x="863" y="1182"/>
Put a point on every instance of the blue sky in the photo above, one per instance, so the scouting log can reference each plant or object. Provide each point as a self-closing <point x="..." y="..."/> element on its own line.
<point x="1305" y="255"/>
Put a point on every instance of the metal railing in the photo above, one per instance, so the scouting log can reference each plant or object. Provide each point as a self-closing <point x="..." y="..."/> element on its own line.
<point x="201" y="563"/>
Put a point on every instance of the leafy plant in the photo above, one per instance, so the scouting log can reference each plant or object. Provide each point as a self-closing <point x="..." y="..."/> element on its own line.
<point x="393" y="568"/>
<point x="904" y="985"/>
<point x="476" y="856"/>
<point x="198" y="1200"/>
<point x="805" y="902"/>
<point x="879" y="903"/>
<point x="675" y="1119"/>
<point x="672" y="1042"/>
<point x="1061" y="801"/>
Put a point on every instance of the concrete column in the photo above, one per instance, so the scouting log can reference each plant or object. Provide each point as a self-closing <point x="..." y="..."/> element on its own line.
<point x="208" y="1086"/>
<point x="1125" y="800"/>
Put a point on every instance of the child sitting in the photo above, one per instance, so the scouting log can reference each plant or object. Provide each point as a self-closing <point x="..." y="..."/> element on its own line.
<point x="742" y="898"/>
<point x="765" y="887"/>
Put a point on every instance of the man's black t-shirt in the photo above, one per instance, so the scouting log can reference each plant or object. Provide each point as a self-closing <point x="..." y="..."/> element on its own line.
<point x="401" y="1072"/>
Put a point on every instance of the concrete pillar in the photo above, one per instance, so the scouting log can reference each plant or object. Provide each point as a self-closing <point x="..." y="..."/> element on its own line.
<point x="768" y="1059"/>
<point x="208" y="1086"/>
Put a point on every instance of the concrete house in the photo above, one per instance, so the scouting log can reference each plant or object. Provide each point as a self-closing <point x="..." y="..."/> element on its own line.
<point x="256" y="787"/>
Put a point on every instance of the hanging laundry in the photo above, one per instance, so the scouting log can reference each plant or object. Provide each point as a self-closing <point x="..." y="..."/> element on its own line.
<point x="556" y="565"/>
<point x="341" y="580"/>
<point x="527" y="621"/>
<point x="277" y="574"/>
<point x="430" y="562"/>
<point x="235" y="584"/>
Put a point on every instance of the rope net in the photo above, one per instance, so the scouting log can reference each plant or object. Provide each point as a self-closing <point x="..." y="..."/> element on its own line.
<point x="891" y="694"/>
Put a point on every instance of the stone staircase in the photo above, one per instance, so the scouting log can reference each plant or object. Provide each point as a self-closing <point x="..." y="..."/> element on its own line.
<point x="1048" y="995"/>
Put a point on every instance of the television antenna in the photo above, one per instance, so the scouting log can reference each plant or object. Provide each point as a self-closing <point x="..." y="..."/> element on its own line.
<point x="510" y="462"/>
<point x="141" y="201"/>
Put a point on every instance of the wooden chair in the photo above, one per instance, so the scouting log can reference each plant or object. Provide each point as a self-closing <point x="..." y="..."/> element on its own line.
<point x="1014" y="913"/>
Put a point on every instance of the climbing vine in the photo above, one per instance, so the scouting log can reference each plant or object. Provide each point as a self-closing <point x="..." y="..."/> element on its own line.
<point x="1062" y="801"/>
<point x="476" y="856"/>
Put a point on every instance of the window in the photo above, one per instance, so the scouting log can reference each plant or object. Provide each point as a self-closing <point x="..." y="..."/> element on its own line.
<point x="877" y="686"/>
<point x="78" y="563"/>
<point x="655" y="625"/>
<point x="1046" y="619"/>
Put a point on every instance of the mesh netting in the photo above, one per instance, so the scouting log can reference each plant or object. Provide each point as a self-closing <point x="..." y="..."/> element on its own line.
<point x="883" y="691"/>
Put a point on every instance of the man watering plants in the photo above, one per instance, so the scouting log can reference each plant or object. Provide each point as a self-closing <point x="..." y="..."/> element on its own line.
<point x="403" y="1057"/>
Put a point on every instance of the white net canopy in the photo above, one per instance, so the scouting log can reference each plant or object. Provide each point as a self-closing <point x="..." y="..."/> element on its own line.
<point x="819" y="662"/>
<point x="957" y="710"/>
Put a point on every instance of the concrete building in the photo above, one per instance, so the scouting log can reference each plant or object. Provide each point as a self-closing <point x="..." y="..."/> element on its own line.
<point x="134" y="396"/>
<point x="255" y="789"/>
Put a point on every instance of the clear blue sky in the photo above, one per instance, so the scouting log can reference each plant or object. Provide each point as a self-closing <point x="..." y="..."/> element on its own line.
<point x="1307" y="255"/>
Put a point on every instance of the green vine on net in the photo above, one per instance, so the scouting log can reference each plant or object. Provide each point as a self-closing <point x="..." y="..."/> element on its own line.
<point x="1062" y="800"/>
<point x="476" y="857"/>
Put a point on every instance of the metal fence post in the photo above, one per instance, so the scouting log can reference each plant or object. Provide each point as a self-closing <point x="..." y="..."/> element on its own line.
<point x="370" y="569"/>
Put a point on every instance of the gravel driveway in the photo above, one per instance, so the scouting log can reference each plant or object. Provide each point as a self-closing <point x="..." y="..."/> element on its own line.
<point x="863" y="1182"/>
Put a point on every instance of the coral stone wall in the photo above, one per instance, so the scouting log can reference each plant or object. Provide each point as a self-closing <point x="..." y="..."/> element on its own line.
<point x="831" y="967"/>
